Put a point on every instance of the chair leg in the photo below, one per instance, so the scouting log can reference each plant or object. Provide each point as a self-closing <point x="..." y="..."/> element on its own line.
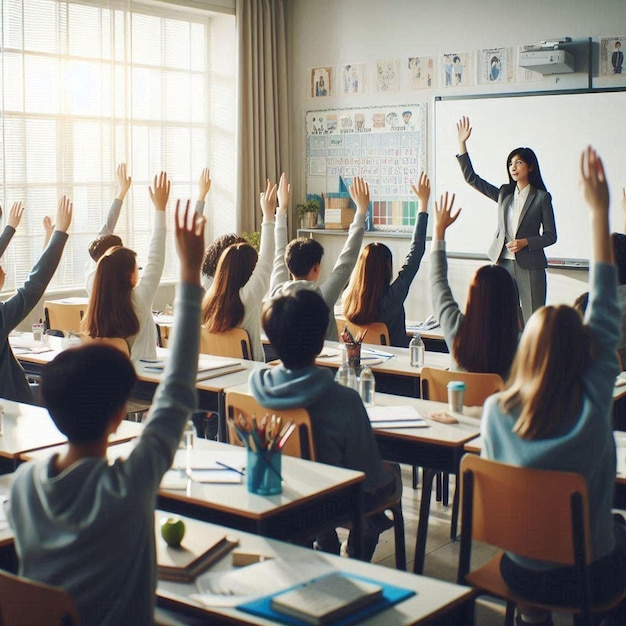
<point x="416" y="476"/>
<point x="509" y="619"/>
<point x="454" y="521"/>
<point x="438" y="487"/>
<point x="398" y="533"/>
<point x="445" y="489"/>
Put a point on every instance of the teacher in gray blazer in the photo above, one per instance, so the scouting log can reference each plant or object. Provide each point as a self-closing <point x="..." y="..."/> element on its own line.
<point x="525" y="220"/>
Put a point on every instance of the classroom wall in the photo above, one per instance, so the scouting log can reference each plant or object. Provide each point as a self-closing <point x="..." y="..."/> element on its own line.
<point x="333" y="32"/>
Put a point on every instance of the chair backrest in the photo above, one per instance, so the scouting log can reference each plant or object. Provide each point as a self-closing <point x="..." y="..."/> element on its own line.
<point x="234" y="343"/>
<point x="537" y="514"/>
<point x="63" y="315"/>
<point x="434" y="384"/>
<point x="377" y="332"/>
<point x="24" y="601"/>
<point x="300" y="443"/>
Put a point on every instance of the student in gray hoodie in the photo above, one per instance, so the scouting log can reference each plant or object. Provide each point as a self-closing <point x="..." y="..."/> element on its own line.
<point x="342" y="434"/>
<point x="80" y="523"/>
<point x="303" y="256"/>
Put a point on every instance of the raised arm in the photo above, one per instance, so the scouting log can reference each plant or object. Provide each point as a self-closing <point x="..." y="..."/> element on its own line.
<point x="331" y="288"/>
<point x="399" y="289"/>
<point x="280" y="273"/>
<point x="204" y="185"/>
<point x="464" y="131"/>
<point x="17" y="307"/>
<point x="153" y="269"/>
<point x="445" y="308"/>
<point x="13" y="221"/>
<point x="123" y="185"/>
<point x="175" y="398"/>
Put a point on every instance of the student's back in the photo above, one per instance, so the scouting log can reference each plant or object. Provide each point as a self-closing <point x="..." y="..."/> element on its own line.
<point x="80" y="523"/>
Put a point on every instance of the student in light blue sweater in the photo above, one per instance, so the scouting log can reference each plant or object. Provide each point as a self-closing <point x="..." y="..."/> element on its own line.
<point x="556" y="413"/>
<point x="80" y="523"/>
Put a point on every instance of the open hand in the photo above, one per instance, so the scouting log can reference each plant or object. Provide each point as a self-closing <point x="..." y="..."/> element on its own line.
<point x="443" y="214"/>
<point x="593" y="183"/>
<point x="422" y="191"/>
<point x="15" y="215"/>
<point x="284" y="191"/>
<point x="204" y="184"/>
<point x="64" y="214"/>
<point x="360" y="194"/>
<point x="123" y="181"/>
<point x="268" y="201"/>
<point x="189" y="242"/>
<point x="161" y="192"/>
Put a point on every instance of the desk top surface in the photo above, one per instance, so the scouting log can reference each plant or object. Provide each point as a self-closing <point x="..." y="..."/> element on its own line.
<point x="27" y="428"/>
<point x="431" y="598"/>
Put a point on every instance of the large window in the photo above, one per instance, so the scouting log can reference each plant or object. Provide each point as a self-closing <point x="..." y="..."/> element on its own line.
<point x="87" y="85"/>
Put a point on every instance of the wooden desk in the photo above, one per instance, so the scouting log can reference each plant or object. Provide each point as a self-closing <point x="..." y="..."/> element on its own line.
<point x="393" y="375"/>
<point x="434" y="599"/>
<point x="438" y="448"/>
<point x="28" y="428"/>
<point x="314" y="496"/>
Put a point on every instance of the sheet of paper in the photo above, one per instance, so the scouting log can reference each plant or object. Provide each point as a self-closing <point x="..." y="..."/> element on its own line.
<point x="211" y="459"/>
<point x="382" y="415"/>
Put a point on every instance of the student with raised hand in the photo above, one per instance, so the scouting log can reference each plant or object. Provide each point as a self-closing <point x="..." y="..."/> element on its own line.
<point x="120" y="304"/>
<point x="484" y="338"/>
<point x="371" y="296"/>
<point x="302" y="257"/>
<point x="13" y="221"/>
<point x="241" y="282"/>
<point x="296" y="327"/>
<point x="556" y="413"/>
<point x="212" y="256"/>
<point x="525" y="219"/>
<point x="80" y="523"/>
<point x="13" y="383"/>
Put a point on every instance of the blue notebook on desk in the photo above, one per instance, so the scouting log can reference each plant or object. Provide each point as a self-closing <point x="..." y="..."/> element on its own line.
<point x="391" y="595"/>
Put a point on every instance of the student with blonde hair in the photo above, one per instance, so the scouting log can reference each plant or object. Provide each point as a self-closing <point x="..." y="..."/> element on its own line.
<point x="241" y="281"/>
<point x="371" y="295"/>
<point x="556" y="414"/>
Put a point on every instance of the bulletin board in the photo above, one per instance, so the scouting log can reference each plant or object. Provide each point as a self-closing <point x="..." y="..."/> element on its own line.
<point x="385" y="145"/>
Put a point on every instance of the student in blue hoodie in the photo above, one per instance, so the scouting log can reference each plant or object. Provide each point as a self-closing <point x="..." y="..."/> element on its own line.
<point x="296" y="326"/>
<point x="556" y="414"/>
<point x="80" y="523"/>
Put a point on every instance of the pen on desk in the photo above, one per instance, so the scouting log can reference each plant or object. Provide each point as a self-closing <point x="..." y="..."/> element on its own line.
<point x="153" y="361"/>
<point x="228" y="467"/>
<point x="154" y="368"/>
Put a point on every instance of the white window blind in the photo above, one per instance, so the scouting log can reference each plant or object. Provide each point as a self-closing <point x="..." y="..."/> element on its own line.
<point x="87" y="85"/>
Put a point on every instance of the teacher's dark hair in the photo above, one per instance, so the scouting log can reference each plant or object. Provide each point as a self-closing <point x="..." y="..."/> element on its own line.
<point x="530" y="158"/>
<point x="487" y="338"/>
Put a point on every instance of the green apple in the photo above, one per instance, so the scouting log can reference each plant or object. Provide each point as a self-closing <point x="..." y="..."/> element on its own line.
<point x="172" y="530"/>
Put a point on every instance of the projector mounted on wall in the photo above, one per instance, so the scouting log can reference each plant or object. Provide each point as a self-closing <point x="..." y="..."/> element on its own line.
<point x="548" y="58"/>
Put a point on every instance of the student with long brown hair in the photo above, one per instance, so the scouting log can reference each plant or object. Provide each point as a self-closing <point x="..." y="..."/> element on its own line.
<point x="484" y="338"/>
<point x="241" y="281"/>
<point x="371" y="296"/>
<point x="120" y="304"/>
<point x="556" y="413"/>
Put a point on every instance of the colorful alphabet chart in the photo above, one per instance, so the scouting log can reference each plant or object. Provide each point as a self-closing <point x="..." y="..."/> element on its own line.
<point x="385" y="145"/>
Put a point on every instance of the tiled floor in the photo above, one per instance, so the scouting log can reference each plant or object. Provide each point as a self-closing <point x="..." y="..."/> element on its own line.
<point x="441" y="552"/>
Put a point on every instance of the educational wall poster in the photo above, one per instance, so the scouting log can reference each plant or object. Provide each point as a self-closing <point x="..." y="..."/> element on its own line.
<point x="525" y="75"/>
<point x="321" y="82"/>
<point x="612" y="56"/>
<point x="353" y="79"/>
<point x="386" y="145"/>
<point x="457" y="69"/>
<point x="420" y="72"/>
<point x="496" y="65"/>
<point x="387" y="76"/>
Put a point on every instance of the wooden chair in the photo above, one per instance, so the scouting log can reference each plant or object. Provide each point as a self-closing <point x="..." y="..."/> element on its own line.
<point x="61" y="315"/>
<point x="301" y="444"/>
<point x="234" y="343"/>
<point x="24" y="602"/>
<point x="434" y="386"/>
<point x="537" y="514"/>
<point x="377" y="332"/>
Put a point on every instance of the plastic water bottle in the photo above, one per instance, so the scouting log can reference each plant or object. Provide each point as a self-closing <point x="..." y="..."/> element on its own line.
<point x="186" y="443"/>
<point x="346" y="376"/>
<point x="367" y="386"/>
<point x="417" y="351"/>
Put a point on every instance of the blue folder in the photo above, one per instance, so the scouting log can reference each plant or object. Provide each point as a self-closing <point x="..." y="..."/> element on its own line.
<point x="391" y="595"/>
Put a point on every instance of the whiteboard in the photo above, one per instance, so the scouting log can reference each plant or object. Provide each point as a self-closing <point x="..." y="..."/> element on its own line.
<point x="557" y="127"/>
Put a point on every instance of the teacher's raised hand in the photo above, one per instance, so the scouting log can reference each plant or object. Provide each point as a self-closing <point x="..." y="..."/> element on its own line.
<point x="463" y="130"/>
<point x="444" y="216"/>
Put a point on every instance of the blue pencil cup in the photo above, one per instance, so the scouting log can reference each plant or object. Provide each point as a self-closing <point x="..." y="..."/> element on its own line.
<point x="263" y="472"/>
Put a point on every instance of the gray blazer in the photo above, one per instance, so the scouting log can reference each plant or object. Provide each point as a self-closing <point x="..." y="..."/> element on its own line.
<point x="537" y="215"/>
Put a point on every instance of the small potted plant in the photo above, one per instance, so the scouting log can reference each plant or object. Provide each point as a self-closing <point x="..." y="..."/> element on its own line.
<point x="308" y="212"/>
